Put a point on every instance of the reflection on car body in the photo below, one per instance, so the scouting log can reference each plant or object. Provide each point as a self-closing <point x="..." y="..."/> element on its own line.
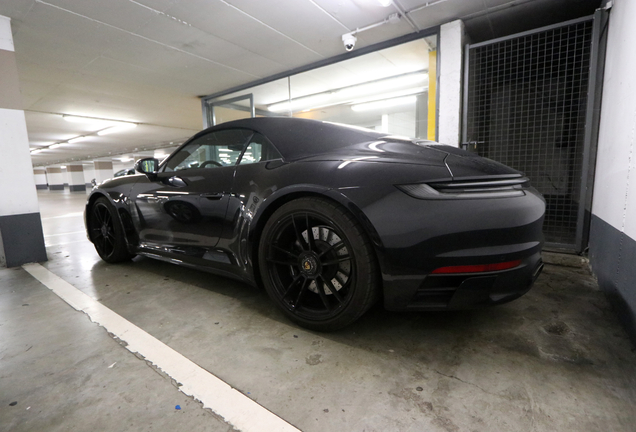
<point x="329" y="218"/>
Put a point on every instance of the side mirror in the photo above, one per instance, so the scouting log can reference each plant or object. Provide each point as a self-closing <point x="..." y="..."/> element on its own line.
<point x="148" y="166"/>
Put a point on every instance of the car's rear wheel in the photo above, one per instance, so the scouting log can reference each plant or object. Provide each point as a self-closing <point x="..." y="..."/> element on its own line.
<point x="106" y="232"/>
<point x="317" y="264"/>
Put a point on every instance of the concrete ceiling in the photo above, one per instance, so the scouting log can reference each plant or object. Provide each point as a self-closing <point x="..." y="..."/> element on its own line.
<point x="148" y="61"/>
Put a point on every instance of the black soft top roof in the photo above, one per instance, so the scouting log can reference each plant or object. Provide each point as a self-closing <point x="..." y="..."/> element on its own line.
<point x="297" y="138"/>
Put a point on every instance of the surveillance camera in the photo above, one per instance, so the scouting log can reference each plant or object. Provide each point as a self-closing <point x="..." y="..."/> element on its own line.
<point x="349" y="41"/>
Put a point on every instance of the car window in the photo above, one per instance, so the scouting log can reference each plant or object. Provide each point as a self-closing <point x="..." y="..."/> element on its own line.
<point x="212" y="150"/>
<point x="259" y="149"/>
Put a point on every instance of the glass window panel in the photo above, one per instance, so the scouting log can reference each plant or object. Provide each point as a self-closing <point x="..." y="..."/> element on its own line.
<point x="259" y="149"/>
<point x="212" y="150"/>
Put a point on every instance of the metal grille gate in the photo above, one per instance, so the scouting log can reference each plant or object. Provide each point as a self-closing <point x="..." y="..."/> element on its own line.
<point x="525" y="105"/>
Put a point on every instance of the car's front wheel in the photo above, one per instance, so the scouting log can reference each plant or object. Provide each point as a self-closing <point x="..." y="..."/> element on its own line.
<point x="106" y="232"/>
<point x="317" y="264"/>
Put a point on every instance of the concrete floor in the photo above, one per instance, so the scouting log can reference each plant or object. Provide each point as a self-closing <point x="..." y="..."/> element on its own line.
<point x="554" y="360"/>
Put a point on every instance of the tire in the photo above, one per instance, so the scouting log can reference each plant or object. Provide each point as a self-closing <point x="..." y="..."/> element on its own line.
<point x="322" y="281"/>
<point x="106" y="232"/>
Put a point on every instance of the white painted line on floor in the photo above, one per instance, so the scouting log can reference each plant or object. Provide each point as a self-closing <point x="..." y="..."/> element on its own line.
<point x="235" y="408"/>
<point x="65" y="216"/>
<point x="64" y="243"/>
<point x="63" y="234"/>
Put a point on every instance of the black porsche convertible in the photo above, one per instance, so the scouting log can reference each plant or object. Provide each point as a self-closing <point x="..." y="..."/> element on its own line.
<point x="329" y="218"/>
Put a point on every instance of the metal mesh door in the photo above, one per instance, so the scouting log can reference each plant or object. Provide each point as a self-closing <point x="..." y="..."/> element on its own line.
<point x="525" y="106"/>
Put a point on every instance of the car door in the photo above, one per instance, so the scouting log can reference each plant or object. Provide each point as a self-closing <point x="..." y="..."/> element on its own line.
<point x="182" y="211"/>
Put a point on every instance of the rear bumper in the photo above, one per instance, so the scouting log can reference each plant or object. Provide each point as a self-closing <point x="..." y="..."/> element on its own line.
<point x="466" y="291"/>
<point x="461" y="291"/>
<point x="420" y="236"/>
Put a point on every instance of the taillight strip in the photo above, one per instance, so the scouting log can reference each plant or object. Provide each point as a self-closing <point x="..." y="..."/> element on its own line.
<point x="478" y="268"/>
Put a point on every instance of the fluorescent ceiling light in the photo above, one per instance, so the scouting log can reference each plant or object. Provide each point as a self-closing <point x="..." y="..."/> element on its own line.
<point x="54" y="146"/>
<point x="126" y="159"/>
<point x="369" y="90"/>
<point x="383" y="85"/>
<point x="117" y="128"/>
<point x="37" y="150"/>
<point x="385" y="3"/>
<point x="299" y="103"/>
<point x="386" y="103"/>
<point x="63" y="166"/>
<point x="76" y="140"/>
<point x="89" y="121"/>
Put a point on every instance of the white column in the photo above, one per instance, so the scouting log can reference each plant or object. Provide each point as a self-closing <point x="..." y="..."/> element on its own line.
<point x="89" y="174"/>
<point x="76" y="181"/>
<point x="21" y="237"/>
<point x="39" y="175"/>
<point x="103" y="170"/>
<point x="613" y="224"/>
<point x="65" y="176"/>
<point x="451" y="58"/>
<point x="56" y="179"/>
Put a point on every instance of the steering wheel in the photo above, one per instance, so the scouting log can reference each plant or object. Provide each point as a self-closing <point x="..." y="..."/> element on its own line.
<point x="210" y="162"/>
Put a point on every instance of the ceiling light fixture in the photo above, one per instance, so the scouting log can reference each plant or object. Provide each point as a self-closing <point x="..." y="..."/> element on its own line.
<point x="385" y="3"/>
<point x="386" y="103"/>
<point x="89" y="120"/>
<point x="299" y="103"/>
<point x="77" y="139"/>
<point x="349" y="93"/>
<point x="54" y="146"/>
<point x="118" y="128"/>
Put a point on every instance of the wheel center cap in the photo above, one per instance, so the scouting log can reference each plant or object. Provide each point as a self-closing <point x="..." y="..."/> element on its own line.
<point x="104" y="230"/>
<point x="309" y="265"/>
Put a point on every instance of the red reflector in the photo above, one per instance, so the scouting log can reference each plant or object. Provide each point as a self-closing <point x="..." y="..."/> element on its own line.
<point x="477" y="268"/>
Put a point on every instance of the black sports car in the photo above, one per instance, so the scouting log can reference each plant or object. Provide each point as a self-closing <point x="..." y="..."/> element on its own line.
<point x="329" y="218"/>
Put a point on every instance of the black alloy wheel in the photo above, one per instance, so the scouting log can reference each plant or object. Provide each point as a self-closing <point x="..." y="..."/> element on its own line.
<point x="106" y="233"/>
<point x="317" y="264"/>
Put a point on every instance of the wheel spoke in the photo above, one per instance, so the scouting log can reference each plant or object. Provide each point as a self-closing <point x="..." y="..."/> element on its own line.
<point x="303" y="290"/>
<point x="108" y="221"/>
<point x="332" y="248"/>
<point x="333" y="290"/>
<point x="299" y="236"/>
<point x="285" y="251"/>
<point x="98" y="216"/>
<point x="323" y="296"/>
<point x="292" y="285"/>
<point x="310" y="235"/>
<point x="282" y="262"/>
<point x="338" y="260"/>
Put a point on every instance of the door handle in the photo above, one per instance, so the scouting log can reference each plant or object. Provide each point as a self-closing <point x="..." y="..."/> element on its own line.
<point x="212" y="195"/>
<point x="177" y="182"/>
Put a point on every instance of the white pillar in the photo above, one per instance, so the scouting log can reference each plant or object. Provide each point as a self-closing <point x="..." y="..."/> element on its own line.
<point x="21" y="237"/>
<point x="56" y="179"/>
<point x="451" y="58"/>
<point x="65" y="176"/>
<point x="39" y="175"/>
<point x="103" y="170"/>
<point x="76" y="178"/>
<point x="89" y="174"/>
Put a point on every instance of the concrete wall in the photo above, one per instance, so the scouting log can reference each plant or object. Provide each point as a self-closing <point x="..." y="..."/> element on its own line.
<point x="613" y="228"/>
